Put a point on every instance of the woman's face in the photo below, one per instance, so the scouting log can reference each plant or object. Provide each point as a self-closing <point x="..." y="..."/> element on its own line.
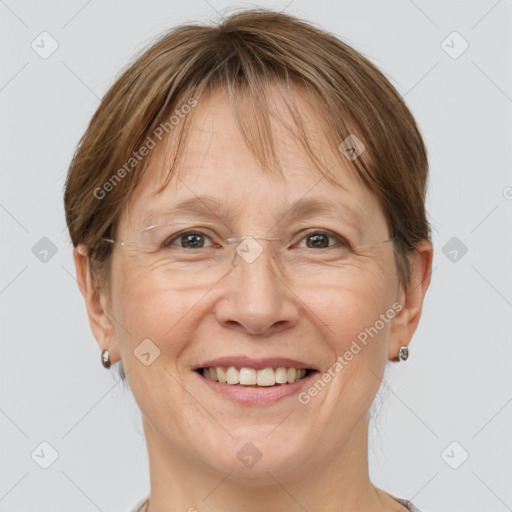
<point x="308" y="310"/>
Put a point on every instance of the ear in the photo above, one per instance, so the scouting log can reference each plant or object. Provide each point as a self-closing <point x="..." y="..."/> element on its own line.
<point x="411" y="298"/>
<point x="96" y="302"/>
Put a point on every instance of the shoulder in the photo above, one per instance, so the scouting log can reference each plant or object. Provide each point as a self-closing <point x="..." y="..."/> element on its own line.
<point x="408" y="504"/>
<point x="141" y="505"/>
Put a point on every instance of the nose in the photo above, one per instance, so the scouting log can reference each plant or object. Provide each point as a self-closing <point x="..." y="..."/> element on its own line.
<point x="256" y="298"/>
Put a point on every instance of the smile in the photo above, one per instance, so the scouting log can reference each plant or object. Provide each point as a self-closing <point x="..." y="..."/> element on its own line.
<point x="244" y="376"/>
<point x="252" y="381"/>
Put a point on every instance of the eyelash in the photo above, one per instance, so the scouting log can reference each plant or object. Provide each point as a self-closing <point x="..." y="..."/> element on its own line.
<point x="340" y="238"/>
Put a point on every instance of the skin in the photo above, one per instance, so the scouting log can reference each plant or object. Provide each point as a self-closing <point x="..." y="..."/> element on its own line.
<point x="314" y="456"/>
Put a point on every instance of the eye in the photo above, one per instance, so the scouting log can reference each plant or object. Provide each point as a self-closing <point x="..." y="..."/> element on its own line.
<point x="320" y="240"/>
<point x="188" y="240"/>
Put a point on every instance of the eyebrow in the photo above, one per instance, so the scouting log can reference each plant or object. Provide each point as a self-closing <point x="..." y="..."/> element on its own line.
<point x="209" y="206"/>
<point x="206" y="206"/>
<point x="304" y="207"/>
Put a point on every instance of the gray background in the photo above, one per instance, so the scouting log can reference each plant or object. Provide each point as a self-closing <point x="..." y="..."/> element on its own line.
<point x="455" y="387"/>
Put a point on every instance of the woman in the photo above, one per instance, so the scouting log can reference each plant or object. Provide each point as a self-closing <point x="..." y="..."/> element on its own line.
<point x="247" y="211"/>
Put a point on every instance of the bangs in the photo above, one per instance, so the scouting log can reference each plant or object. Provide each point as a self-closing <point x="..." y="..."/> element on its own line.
<point x="256" y="109"/>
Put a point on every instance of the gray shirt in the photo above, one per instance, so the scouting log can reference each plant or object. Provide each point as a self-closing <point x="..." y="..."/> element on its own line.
<point x="142" y="505"/>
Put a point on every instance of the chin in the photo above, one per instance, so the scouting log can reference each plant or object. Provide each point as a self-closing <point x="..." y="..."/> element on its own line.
<point x="251" y="456"/>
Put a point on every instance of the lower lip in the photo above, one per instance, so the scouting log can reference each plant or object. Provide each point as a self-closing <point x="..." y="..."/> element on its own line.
<point x="256" y="395"/>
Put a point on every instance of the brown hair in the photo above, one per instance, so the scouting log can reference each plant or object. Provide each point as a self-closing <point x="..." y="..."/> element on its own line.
<point x="244" y="55"/>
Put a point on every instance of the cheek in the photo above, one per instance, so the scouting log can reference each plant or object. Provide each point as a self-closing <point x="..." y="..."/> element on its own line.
<point x="356" y="319"/>
<point x="151" y="311"/>
<point x="359" y="326"/>
<point x="148" y="308"/>
<point x="345" y="309"/>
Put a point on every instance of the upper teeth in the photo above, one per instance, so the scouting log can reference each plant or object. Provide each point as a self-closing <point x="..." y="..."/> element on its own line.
<point x="251" y="377"/>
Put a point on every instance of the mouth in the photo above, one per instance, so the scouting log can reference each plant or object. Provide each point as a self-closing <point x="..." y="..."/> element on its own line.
<point x="255" y="382"/>
<point x="246" y="376"/>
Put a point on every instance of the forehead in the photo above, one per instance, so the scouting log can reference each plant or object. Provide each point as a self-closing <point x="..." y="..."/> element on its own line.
<point x="218" y="163"/>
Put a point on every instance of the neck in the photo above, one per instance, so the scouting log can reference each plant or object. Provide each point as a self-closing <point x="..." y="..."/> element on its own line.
<point x="340" y="484"/>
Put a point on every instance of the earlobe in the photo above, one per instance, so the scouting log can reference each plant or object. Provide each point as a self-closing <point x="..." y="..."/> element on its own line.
<point x="100" y="319"/>
<point x="411" y="297"/>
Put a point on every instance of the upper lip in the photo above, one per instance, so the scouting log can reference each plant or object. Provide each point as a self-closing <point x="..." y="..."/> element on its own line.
<point x="257" y="364"/>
